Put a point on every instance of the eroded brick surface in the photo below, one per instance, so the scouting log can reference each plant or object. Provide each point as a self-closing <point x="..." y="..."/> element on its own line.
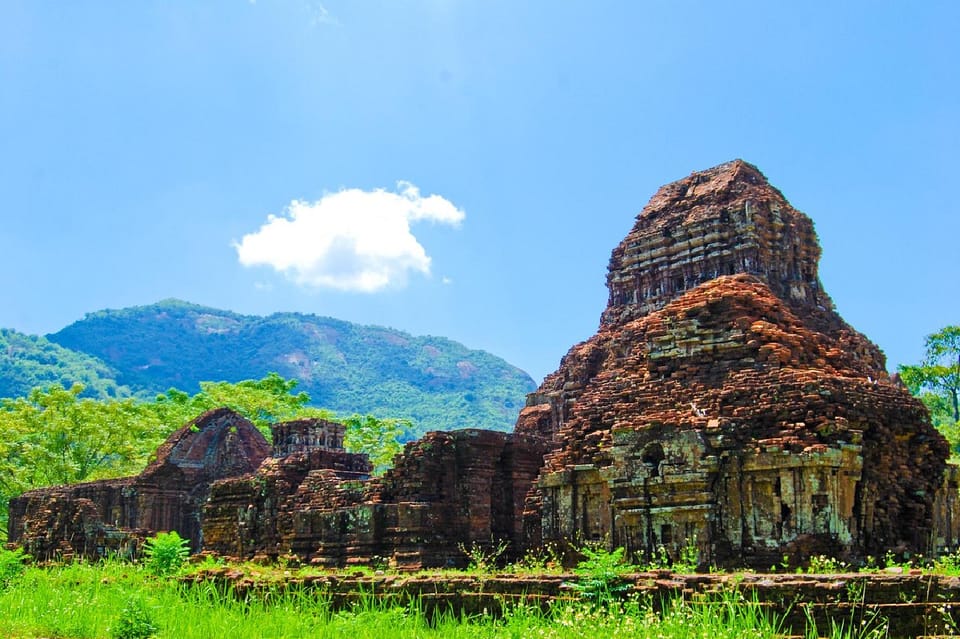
<point x="724" y="404"/>
<point x="97" y="517"/>
<point x="448" y="490"/>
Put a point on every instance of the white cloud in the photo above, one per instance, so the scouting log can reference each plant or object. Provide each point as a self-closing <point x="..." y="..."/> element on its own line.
<point x="318" y="14"/>
<point x="351" y="240"/>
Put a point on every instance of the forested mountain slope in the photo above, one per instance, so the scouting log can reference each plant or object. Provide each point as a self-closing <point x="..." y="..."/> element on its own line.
<point x="27" y="361"/>
<point x="347" y="368"/>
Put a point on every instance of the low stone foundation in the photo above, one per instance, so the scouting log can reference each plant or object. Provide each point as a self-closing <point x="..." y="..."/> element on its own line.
<point x="910" y="605"/>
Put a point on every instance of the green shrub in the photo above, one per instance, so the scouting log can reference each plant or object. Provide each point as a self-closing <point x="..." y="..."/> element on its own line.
<point x="601" y="575"/>
<point x="689" y="559"/>
<point x="134" y="622"/>
<point x="165" y="553"/>
<point x="11" y="565"/>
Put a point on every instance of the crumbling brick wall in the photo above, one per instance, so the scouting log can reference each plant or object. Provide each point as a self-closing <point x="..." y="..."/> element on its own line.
<point x="724" y="404"/>
<point x="447" y="490"/>
<point x="92" y="518"/>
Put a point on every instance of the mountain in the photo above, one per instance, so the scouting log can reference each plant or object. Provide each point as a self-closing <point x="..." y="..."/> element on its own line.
<point x="438" y="383"/>
<point x="27" y="361"/>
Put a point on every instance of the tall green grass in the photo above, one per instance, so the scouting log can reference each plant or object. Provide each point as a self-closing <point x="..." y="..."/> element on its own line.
<point x="84" y="600"/>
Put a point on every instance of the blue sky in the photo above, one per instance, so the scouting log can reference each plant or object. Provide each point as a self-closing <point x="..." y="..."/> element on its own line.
<point x="461" y="168"/>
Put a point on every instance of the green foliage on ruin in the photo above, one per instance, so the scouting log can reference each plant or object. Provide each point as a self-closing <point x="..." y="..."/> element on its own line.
<point x="165" y="553"/>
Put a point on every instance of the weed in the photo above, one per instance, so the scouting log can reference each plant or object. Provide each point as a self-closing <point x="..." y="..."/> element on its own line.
<point x="948" y="564"/>
<point x="88" y="600"/>
<point x="11" y="565"/>
<point x="870" y="625"/>
<point x="824" y="564"/>
<point x="658" y="559"/>
<point x="541" y="560"/>
<point x="784" y="564"/>
<point x="689" y="557"/>
<point x="165" y="553"/>
<point x="134" y="622"/>
<point x="484" y="557"/>
<point x="601" y="575"/>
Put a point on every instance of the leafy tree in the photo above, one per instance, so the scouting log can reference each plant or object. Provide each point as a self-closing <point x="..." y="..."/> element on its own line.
<point x="55" y="436"/>
<point x="939" y="374"/>
<point x="378" y="438"/>
<point x="936" y="382"/>
<point x="61" y="438"/>
<point x="264" y="402"/>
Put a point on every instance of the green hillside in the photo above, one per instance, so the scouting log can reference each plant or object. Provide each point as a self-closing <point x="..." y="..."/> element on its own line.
<point x="436" y="382"/>
<point x="27" y="361"/>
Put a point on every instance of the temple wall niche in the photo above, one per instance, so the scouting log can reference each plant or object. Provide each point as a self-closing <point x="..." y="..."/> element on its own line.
<point x="664" y="492"/>
<point x="661" y="483"/>
<point x="770" y="498"/>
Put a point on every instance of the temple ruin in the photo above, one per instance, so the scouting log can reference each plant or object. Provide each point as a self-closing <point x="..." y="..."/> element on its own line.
<point x="100" y="517"/>
<point x="723" y="404"/>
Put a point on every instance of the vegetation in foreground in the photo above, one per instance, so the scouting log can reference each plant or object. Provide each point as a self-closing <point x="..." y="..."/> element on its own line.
<point x="124" y="601"/>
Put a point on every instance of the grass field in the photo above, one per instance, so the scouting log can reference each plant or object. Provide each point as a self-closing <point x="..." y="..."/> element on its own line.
<point x="122" y="600"/>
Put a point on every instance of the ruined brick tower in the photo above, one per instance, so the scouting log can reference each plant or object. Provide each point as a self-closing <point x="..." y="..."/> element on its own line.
<point x="724" y="403"/>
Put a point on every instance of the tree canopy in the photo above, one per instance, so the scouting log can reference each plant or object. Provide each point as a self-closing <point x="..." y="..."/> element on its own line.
<point x="265" y="401"/>
<point x="378" y="438"/>
<point x="55" y="436"/>
<point x="936" y="381"/>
